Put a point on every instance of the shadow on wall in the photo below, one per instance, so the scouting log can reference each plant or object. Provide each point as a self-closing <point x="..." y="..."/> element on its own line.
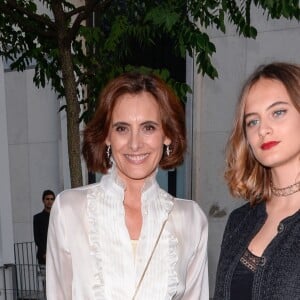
<point x="216" y="212"/>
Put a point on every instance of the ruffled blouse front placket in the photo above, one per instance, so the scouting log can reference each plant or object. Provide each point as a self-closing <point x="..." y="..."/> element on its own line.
<point x="117" y="271"/>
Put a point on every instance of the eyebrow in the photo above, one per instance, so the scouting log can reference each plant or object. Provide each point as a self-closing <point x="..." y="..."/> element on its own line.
<point x="268" y="108"/>
<point x="127" y="124"/>
<point x="120" y="124"/>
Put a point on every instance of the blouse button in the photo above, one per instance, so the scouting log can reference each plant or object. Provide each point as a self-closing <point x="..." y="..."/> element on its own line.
<point x="262" y="261"/>
<point x="280" y="228"/>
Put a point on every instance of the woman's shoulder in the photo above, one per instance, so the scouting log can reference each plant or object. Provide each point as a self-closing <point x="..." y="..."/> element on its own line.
<point x="190" y="209"/>
<point x="246" y="209"/>
<point x="186" y="203"/>
<point x="75" y="194"/>
<point x="245" y="214"/>
<point x="241" y="211"/>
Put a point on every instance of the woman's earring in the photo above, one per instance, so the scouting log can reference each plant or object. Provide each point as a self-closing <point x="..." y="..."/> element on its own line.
<point x="108" y="152"/>
<point x="168" y="151"/>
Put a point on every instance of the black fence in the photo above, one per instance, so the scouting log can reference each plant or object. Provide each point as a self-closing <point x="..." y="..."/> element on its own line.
<point x="24" y="280"/>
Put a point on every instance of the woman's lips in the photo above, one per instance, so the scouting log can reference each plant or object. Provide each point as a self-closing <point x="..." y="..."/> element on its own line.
<point x="137" y="159"/>
<point x="269" y="145"/>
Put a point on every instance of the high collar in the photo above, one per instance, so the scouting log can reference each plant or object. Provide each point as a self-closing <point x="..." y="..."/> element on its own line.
<point x="115" y="182"/>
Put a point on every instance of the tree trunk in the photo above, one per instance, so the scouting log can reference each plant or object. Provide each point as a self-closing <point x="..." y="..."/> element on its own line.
<point x="73" y="110"/>
<point x="64" y="41"/>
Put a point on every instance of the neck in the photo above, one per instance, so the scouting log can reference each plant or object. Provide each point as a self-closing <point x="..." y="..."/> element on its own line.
<point x="130" y="184"/>
<point x="285" y="176"/>
<point x="285" y="182"/>
<point x="132" y="197"/>
<point x="285" y="191"/>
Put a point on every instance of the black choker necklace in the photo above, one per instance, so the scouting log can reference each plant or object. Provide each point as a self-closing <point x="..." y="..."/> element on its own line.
<point x="289" y="190"/>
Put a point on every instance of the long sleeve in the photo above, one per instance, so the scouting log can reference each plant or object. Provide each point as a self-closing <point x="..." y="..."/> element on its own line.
<point x="197" y="272"/>
<point x="37" y="233"/>
<point x="58" y="262"/>
<point x="40" y="228"/>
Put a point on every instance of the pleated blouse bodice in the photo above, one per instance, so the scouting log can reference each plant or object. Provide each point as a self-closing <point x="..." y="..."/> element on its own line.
<point x="90" y="255"/>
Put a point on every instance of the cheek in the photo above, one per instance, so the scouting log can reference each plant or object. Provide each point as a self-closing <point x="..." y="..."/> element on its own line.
<point x="251" y="139"/>
<point x="156" y="142"/>
<point x="251" y="142"/>
<point x="118" y="141"/>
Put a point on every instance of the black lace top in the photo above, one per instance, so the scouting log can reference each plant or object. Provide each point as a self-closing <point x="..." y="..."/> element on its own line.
<point x="242" y="280"/>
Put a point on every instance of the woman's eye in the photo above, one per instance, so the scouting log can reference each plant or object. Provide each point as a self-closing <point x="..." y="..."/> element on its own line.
<point x="121" y="129"/>
<point x="251" y="123"/>
<point x="149" y="127"/>
<point x="279" y="113"/>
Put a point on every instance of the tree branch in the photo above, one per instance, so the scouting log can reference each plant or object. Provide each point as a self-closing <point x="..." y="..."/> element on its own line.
<point x="86" y="10"/>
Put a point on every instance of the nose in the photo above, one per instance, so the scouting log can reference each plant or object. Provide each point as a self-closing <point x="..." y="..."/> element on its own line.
<point x="135" y="141"/>
<point x="264" y="129"/>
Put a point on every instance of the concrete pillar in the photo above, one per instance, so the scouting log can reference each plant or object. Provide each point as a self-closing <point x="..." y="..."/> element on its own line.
<point x="6" y="223"/>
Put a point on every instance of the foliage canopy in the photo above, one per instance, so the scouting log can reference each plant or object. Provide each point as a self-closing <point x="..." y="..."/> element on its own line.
<point x="78" y="47"/>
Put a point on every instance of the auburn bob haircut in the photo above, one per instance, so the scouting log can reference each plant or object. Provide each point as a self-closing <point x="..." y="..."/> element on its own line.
<point x="171" y="111"/>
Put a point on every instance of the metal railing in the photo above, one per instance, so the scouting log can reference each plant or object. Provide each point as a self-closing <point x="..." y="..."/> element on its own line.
<point x="24" y="280"/>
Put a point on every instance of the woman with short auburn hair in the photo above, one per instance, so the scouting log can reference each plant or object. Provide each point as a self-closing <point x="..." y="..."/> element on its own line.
<point x="172" y="117"/>
<point x="125" y="238"/>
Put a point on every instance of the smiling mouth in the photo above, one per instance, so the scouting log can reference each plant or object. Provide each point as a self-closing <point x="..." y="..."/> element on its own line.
<point x="136" y="158"/>
<point x="269" y="145"/>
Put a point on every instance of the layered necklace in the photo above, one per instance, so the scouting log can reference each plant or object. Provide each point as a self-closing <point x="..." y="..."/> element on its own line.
<point x="286" y="191"/>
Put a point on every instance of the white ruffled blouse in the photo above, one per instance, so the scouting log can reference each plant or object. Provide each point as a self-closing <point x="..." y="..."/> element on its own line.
<point x="90" y="255"/>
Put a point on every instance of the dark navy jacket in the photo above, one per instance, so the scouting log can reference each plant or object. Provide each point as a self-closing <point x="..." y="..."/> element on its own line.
<point x="278" y="275"/>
